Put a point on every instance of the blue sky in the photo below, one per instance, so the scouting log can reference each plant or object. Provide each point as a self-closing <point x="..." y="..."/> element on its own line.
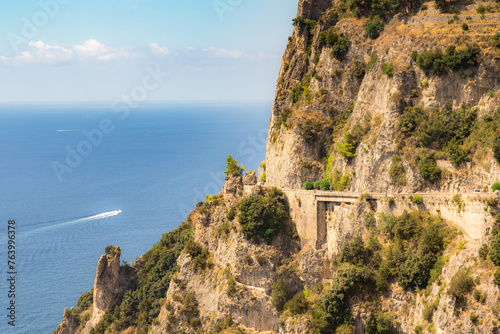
<point x="97" y="50"/>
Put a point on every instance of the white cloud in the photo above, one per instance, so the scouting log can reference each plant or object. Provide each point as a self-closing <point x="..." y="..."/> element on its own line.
<point x="53" y="54"/>
<point x="222" y="53"/>
<point x="43" y="54"/>
<point x="159" y="50"/>
<point x="95" y="49"/>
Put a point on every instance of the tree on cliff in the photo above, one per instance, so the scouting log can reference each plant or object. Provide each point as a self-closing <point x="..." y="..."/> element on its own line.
<point x="233" y="168"/>
<point x="496" y="147"/>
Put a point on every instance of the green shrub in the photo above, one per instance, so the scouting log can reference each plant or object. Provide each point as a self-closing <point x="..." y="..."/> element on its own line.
<point x="495" y="40"/>
<point x="385" y="323"/>
<point x="333" y="310"/>
<point x="483" y="251"/>
<point x="473" y="317"/>
<point x="461" y="284"/>
<point x="461" y="58"/>
<point x="440" y="5"/>
<point x="352" y="139"/>
<point x="397" y="171"/>
<point x="262" y="260"/>
<point x="479" y="296"/>
<point x="280" y="294"/>
<point x="231" y="283"/>
<point x="353" y="251"/>
<point x="339" y="49"/>
<point x="481" y="10"/>
<point x="358" y="69"/>
<point x="370" y="221"/>
<point x="388" y="69"/>
<point x="309" y="131"/>
<point x="282" y="120"/>
<point x="330" y="36"/>
<point x="448" y="128"/>
<point x="189" y="308"/>
<point x="317" y="184"/>
<point x="410" y="120"/>
<point x="429" y="310"/>
<point x="457" y="154"/>
<point x="195" y="322"/>
<point x="417" y="266"/>
<point x="496" y="277"/>
<point x="302" y="23"/>
<point x="453" y="58"/>
<point x="232" y="167"/>
<point x="248" y="260"/>
<point x="333" y="38"/>
<point x="371" y="63"/>
<point x="231" y="214"/>
<point x="296" y="93"/>
<point x="417" y="200"/>
<point x="316" y="57"/>
<point x="198" y="254"/>
<point x="495" y="247"/>
<point x="374" y="26"/>
<point x="415" y="271"/>
<point x="340" y="182"/>
<point x="324" y="185"/>
<point x="495" y="187"/>
<point x="380" y="323"/>
<point x="387" y="223"/>
<point x="345" y="329"/>
<point x="423" y="7"/>
<point x="496" y="147"/>
<point x="86" y="300"/>
<point x="428" y="167"/>
<point x="308" y="185"/>
<point x="298" y="304"/>
<point x="465" y="27"/>
<point x="264" y="215"/>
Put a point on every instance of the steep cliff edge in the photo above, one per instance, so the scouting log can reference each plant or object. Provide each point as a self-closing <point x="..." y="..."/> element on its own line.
<point x="338" y="85"/>
<point x="388" y="114"/>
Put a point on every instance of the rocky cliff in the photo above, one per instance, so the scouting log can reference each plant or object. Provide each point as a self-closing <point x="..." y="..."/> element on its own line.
<point x="321" y="97"/>
<point x="387" y="113"/>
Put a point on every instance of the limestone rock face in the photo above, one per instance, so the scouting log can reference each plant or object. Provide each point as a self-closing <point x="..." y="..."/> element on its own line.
<point x="232" y="186"/>
<point x="107" y="287"/>
<point x="250" y="178"/>
<point x="106" y="284"/>
<point x="301" y="143"/>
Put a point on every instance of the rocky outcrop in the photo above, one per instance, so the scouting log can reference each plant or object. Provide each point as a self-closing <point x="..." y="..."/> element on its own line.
<point x="250" y="178"/>
<point x="109" y="285"/>
<point x="302" y="136"/>
<point x="69" y="324"/>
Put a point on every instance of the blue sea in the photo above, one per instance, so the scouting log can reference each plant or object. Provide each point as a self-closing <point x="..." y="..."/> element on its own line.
<point x="66" y="169"/>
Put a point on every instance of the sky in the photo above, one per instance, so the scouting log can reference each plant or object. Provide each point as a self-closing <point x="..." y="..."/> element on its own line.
<point x="154" y="50"/>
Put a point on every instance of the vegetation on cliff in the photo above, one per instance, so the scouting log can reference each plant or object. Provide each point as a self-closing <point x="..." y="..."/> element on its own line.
<point x="140" y="305"/>
<point x="263" y="215"/>
<point x="406" y="249"/>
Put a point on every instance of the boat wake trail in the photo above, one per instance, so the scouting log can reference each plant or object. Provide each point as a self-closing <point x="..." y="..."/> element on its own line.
<point x="72" y="222"/>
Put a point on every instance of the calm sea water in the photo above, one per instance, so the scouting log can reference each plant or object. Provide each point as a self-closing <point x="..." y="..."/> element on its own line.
<point x="154" y="165"/>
